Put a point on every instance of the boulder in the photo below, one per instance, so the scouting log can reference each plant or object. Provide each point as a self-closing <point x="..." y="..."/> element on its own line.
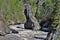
<point x="12" y="37"/>
<point x="31" y="22"/>
<point x="16" y="28"/>
<point x="27" y="35"/>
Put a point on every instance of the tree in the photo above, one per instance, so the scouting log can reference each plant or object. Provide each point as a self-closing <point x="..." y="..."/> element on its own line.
<point x="56" y="13"/>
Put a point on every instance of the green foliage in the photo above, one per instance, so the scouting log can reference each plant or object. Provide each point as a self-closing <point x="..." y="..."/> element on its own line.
<point x="40" y="12"/>
<point x="13" y="10"/>
<point x="17" y="9"/>
<point x="56" y="16"/>
<point x="33" y="6"/>
<point x="50" y="3"/>
<point x="58" y="38"/>
<point x="49" y="9"/>
<point x="44" y="11"/>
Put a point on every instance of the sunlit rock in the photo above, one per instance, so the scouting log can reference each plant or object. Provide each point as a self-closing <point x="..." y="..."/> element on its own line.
<point x="13" y="37"/>
<point x="17" y="27"/>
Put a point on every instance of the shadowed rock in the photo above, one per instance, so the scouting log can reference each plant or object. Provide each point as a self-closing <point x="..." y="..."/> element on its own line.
<point x="18" y="37"/>
<point x="31" y="22"/>
<point x="57" y="33"/>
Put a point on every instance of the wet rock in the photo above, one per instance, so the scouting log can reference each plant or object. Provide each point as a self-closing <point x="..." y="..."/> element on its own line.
<point x="16" y="28"/>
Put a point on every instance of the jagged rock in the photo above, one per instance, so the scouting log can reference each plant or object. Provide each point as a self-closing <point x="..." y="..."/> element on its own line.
<point x="16" y="28"/>
<point x="35" y="35"/>
<point x="31" y="20"/>
<point x="12" y="37"/>
<point x="36" y="24"/>
<point x="29" y="24"/>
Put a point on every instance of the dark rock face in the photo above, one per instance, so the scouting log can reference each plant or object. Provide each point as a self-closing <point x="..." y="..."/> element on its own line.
<point x="28" y="14"/>
<point x="16" y="28"/>
<point x="31" y="22"/>
<point x="26" y="35"/>
<point x="28" y="10"/>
